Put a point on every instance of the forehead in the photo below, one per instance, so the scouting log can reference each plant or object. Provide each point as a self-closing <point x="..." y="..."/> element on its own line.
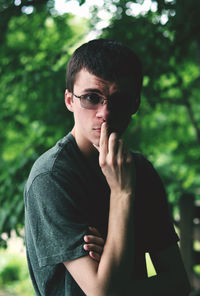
<point x="86" y="80"/>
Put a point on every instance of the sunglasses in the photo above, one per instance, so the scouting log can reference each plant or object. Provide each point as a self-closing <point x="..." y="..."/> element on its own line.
<point x="93" y="101"/>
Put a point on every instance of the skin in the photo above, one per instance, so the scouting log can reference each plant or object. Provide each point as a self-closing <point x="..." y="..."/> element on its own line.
<point x="87" y="123"/>
<point x="94" y="244"/>
<point x="87" y="130"/>
<point x="112" y="274"/>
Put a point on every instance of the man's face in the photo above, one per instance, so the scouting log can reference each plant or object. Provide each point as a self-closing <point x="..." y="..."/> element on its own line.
<point x="114" y="111"/>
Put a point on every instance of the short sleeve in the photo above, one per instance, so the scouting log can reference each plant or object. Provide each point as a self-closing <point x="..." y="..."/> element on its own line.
<point x="155" y="225"/>
<point x="56" y="223"/>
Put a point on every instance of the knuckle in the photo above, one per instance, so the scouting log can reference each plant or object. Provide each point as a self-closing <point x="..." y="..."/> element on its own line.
<point x="120" y="161"/>
<point x="91" y="246"/>
<point x="111" y="161"/>
<point x="113" y="137"/>
<point x="90" y="239"/>
<point x="102" y="163"/>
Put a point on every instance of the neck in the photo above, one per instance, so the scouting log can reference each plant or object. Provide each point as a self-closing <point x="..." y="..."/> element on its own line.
<point x="87" y="149"/>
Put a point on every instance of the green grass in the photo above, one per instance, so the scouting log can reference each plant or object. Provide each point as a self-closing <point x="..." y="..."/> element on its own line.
<point x="14" y="276"/>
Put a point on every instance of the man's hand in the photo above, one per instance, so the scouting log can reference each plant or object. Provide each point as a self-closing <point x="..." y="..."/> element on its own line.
<point x="116" y="162"/>
<point x="112" y="268"/>
<point x="94" y="244"/>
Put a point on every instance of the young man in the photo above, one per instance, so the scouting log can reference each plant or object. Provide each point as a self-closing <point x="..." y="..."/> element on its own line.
<point x="90" y="178"/>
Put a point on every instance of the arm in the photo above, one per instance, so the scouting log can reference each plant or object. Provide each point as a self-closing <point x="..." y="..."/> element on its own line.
<point x="168" y="264"/>
<point x="116" y="263"/>
<point x="113" y="274"/>
<point x="171" y="280"/>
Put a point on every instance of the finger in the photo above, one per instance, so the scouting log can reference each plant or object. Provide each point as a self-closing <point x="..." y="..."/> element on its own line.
<point x="112" y="142"/>
<point x="120" y="153"/>
<point x="112" y="148"/>
<point x="93" y="247"/>
<point x="127" y="156"/>
<point x="103" y="144"/>
<point x="94" y="239"/>
<point x="94" y="231"/>
<point x="95" y="256"/>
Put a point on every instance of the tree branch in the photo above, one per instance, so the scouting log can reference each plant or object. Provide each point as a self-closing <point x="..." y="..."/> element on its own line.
<point x="193" y="120"/>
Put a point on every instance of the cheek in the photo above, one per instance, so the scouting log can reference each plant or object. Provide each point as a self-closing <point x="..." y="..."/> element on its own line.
<point x="84" y="117"/>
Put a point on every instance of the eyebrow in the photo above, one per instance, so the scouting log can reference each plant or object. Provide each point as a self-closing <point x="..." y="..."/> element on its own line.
<point x="96" y="90"/>
<point x="93" y="90"/>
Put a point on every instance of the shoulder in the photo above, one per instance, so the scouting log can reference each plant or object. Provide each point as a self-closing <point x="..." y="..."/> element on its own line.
<point x="142" y="163"/>
<point x="53" y="160"/>
<point x="147" y="178"/>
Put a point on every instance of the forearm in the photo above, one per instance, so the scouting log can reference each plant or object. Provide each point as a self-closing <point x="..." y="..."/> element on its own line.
<point x="122" y="283"/>
<point x="116" y="265"/>
<point x="115" y="270"/>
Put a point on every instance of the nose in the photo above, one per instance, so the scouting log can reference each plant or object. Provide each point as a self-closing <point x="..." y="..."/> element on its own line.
<point x="103" y="111"/>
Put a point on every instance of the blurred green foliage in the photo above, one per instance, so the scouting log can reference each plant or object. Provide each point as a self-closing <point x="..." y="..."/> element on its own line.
<point x="33" y="57"/>
<point x="35" y="46"/>
<point x="167" y="126"/>
<point x="14" y="275"/>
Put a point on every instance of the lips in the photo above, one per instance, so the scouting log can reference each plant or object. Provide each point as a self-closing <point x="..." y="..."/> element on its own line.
<point x="98" y="129"/>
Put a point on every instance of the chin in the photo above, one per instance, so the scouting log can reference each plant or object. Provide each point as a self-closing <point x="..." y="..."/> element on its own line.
<point x="95" y="142"/>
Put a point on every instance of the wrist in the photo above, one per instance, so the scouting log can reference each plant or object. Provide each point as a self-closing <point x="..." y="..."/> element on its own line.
<point x="122" y="202"/>
<point x="122" y="195"/>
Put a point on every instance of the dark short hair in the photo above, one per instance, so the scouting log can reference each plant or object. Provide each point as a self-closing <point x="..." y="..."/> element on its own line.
<point x="109" y="60"/>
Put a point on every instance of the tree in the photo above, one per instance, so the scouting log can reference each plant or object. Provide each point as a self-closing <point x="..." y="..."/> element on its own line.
<point x="33" y="56"/>
<point x="166" y="128"/>
<point x="36" y="44"/>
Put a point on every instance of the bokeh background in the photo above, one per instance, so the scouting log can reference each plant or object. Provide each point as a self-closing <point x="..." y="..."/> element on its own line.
<point x="37" y="38"/>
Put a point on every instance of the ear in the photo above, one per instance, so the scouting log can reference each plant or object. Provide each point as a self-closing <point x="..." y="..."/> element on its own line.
<point x="68" y="100"/>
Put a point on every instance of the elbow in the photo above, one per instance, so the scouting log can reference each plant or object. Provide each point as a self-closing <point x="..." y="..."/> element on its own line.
<point x="110" y="288"/>
<point x="105" y="287"/>
<point x="98" y="288"/>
